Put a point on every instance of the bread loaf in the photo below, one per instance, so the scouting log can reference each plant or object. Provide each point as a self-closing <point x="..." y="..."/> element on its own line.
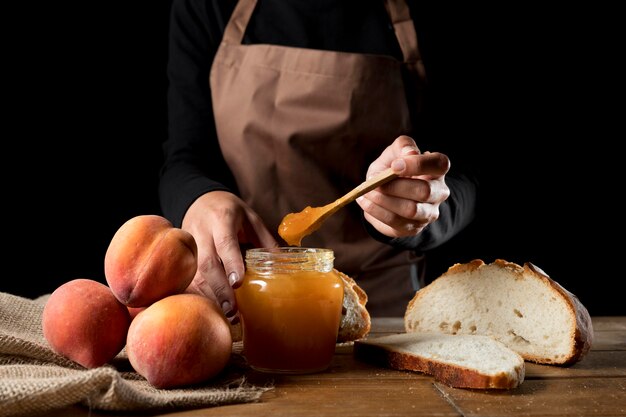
<point x="355" y="319"/>
<point x="461" y="361"/>
<point x="520" y="306"/>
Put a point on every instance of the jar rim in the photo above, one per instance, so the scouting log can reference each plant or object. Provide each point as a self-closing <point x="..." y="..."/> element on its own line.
<point x="295" y="250"/>
<point x="290" y="258"/>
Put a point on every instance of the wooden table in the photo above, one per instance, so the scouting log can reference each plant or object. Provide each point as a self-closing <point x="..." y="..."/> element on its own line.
<point x="596" y="386"/>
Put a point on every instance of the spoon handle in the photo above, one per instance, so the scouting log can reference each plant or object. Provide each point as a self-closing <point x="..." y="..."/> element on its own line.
<point x="366" y="186"/>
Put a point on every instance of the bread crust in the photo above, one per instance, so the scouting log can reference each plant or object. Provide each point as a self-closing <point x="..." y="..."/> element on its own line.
<point x="450" y="374"/>
<point x="583" y="335"/>
<point x="355" y="319"/>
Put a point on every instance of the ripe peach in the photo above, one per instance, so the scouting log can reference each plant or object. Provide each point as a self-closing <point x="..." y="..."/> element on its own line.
<point x="179" y="340"/>
<point x="148" y="259"/>
<point x="83" y="321"/>
<point x="133" y="311"/>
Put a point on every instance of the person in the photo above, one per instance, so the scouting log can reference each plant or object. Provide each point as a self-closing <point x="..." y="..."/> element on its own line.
<point x="277" y="105"/>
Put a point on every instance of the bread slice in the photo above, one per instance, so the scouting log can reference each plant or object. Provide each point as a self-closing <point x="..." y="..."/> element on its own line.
<point x="461" y="361"/>
<point x="355" y="319"/>
<point x="520" y="306"/>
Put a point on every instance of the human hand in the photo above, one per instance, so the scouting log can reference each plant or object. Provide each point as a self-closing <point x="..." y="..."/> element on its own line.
<point x="409" y="203"/>
<point x="220" y="221"/>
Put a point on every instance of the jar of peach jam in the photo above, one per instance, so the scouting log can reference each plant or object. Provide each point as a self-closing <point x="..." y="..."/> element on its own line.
<point x="290" y="306"/>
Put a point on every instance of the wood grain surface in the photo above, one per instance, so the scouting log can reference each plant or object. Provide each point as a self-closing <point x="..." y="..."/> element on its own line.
<point x="596" y="386"/>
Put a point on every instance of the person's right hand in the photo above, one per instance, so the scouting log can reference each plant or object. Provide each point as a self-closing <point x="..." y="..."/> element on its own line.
<point x="220" y="221"/>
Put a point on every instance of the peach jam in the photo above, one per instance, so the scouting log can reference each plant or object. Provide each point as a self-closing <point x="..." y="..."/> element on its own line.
<point x="290" y="306"/>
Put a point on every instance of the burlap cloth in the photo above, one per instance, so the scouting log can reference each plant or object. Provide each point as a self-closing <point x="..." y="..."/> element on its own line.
<point x="34" y="379"/>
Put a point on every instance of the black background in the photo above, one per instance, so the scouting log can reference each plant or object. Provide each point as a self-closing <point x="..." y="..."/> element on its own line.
<point x="85" y="91"/>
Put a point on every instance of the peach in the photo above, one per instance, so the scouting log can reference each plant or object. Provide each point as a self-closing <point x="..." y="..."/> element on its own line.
<point x="179" y="340"/>
<point x="148" y="259"/>
<point x="133" y="311"/>
<point x="83" y="321"/>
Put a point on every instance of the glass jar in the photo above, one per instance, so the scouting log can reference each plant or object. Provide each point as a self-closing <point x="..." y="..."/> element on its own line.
<point x="290" y="307"/>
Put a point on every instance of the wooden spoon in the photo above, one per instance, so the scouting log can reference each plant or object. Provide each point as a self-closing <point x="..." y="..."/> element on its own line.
<point x="296" y="226"/>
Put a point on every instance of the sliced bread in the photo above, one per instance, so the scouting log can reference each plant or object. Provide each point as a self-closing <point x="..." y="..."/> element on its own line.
<point x="520" y="306"/>
<point x="461" y="361"/>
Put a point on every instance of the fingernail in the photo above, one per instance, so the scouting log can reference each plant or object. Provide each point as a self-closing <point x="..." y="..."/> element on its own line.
<point x="227" y="308"/>
<point x="398" y="165"/>
<point x="233" y="278"/>
<point x="407" y="150"/>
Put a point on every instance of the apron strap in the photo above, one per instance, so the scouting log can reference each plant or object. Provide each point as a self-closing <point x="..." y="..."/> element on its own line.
<point x="236" y="26"/>
<point x="398" y="12"/>
<point x="405" y="32"/>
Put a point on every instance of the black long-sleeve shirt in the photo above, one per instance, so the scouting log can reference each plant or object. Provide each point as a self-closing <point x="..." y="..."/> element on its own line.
<point x="194" y="164"/>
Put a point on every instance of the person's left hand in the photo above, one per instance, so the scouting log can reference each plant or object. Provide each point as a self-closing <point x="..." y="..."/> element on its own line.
<point x="409" y="203"/>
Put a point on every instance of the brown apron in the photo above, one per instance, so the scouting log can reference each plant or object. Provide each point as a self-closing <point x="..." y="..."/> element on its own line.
<point x="299" y="127"/>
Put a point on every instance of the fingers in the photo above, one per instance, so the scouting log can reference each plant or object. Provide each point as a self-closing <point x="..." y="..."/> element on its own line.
<point x="401" y="147"/>
<point x="405" y="158"/>
<point x="211" y="279"/>
<point x="227" y="248"/>
<point x="403" y="229"/>
<point x="226" y="270"/>
<point x="434" y="164"/>
<point x="406" y="205"/>
<point x="405" y="218"/>
<point x="229" y="271"/>
<point x="416" y="189"/>
<point x="255" y="234"/>
<point x="220" y="223"/>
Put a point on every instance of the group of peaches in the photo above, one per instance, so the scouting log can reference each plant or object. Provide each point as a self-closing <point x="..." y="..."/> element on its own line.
<point x="172" y="337"/>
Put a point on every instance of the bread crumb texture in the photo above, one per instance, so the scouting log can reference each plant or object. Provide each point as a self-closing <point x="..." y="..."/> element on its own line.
<point x="462" y="361"/>
<point x="521" y="307"/>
